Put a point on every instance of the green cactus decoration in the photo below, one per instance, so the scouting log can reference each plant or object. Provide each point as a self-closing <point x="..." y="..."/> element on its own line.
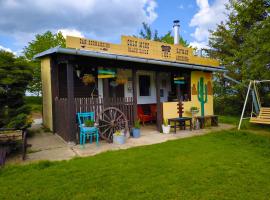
<point x="202" y="94"/>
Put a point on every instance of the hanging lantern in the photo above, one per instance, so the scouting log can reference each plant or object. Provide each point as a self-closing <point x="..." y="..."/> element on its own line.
<point x="88" y="79"/>
<point x="121" y="77"/>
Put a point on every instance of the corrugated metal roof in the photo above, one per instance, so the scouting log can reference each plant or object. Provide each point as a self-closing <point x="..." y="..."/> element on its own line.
<point x="125" y="58"/>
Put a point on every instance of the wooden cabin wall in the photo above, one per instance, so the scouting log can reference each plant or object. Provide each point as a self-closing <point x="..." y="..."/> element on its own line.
<point x="80" y="89"/>
<point x="46" y="92"/>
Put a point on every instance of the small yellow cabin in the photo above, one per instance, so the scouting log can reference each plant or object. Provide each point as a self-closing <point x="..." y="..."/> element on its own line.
<point x="146" y="80"/>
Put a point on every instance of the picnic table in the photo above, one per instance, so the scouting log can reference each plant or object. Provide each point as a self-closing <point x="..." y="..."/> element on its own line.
<point x="180" y="122"/>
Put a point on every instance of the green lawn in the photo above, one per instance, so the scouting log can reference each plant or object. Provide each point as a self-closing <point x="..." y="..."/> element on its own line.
<point x="221" y="165"/>
<point x="245" y="124"/>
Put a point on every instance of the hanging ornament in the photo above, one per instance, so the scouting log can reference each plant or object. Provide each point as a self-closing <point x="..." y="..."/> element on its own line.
<point x="121" y="77"/>
<point x="88" y="79"/>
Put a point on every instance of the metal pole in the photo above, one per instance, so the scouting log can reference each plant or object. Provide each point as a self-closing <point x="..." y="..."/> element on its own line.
<point x="243" y="111"/>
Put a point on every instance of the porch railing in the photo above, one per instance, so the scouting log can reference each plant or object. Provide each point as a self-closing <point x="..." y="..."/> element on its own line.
<point x="96" y="105"/>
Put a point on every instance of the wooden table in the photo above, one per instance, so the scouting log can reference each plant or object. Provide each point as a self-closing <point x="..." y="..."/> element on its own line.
<point x="214" y="120"/>
<point x="180" y="122"/>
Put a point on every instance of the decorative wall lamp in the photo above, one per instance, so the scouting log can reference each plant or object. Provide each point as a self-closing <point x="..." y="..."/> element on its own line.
<point x="78" y="71"/>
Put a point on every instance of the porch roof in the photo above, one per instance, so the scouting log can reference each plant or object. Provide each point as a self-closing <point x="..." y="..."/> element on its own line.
<point x="112" y="56"/>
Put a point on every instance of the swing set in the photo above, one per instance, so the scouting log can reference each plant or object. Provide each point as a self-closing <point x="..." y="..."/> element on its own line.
<point x="259" y="114"/>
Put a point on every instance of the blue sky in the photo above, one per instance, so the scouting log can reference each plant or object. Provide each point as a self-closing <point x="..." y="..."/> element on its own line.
<point x="107" y="20"/>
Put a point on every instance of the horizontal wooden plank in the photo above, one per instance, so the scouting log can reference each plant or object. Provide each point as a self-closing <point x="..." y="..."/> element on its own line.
<point x="259" y="120"/>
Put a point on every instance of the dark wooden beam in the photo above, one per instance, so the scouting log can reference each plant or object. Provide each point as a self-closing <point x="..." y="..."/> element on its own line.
<point x="159" y="110"/>
<point x="105" y="92"/>
<point x="134" y="92"/>
<point x="54" y="89"/>
<point x="71" y="125"/>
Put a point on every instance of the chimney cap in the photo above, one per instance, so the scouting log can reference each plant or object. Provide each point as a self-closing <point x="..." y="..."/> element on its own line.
<point x="176" y="22"/>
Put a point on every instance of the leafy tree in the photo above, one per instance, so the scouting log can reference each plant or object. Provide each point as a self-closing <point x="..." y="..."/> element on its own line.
<point x="242" y="44"/>
<point x="15" y="75"/>
<point x="41" y="43"/>
<point x="148" y="34"/>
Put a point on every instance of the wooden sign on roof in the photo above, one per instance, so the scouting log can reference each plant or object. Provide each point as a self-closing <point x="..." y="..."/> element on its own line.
<point x="137" y="47"/>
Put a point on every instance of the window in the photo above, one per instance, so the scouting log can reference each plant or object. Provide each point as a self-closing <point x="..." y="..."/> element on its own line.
<point x="144" y="85"/>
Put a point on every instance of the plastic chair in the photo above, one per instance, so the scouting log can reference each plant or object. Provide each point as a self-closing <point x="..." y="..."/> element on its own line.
<point x="87" y="132"/>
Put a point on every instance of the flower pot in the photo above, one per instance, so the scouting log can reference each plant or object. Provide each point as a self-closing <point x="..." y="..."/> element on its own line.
<point x="166" y="129"/>
<point x="119" y="139"/>
<point x="136" y="132"/>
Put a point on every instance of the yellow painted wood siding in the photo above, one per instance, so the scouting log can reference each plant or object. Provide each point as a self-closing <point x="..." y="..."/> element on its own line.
<point x="170" y="108"/>
<point x="46" y="93"/>
<point x="138" y="47"/>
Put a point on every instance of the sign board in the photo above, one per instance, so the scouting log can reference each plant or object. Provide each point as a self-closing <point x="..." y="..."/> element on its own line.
<point x="137" y="47"/>
<point x="179" y="80"/>
<point x="106" y="73"/>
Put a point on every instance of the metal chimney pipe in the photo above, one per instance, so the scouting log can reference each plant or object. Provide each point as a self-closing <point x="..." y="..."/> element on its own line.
<point x="176" y="29"/>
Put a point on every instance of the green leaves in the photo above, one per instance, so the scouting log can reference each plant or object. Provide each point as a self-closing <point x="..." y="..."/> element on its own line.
<point x="242" y="43"/>
<point x="148" y="34"/>
<point x="15" y="74"/>
<point x="41" y="43"/>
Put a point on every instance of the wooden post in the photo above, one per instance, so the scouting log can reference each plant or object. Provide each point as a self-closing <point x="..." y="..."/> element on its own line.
<point x="134" y="91"/>
<point x="159" y="113"/>
<point x="54" y="88"/>
<point x="71" y="122"/>
<point x="105" y="92"/>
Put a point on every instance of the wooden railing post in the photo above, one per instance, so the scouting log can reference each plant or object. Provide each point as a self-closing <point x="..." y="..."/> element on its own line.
<point x="105" y="92"/>
<point x="134" y="91"/>
<point x="71" y="114"/>
<point x="159" y="113"/>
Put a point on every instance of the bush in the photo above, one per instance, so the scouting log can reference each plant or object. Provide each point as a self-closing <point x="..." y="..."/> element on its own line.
<point x="229" y="105"/>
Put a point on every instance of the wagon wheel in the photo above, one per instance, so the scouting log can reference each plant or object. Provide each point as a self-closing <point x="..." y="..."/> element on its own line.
<point x="110" y="120"/>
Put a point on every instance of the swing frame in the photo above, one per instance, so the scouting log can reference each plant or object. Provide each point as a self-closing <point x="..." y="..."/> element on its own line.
<point x="252" y="87"/>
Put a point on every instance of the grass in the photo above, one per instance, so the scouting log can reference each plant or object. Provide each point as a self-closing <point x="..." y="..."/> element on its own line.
<point x="34" y="102"/>
<point x="221" y="165"/>
<point x="245" y="124"/>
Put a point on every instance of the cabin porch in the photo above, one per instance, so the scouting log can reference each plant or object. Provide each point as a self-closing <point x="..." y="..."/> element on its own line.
<point x="151" y="86"/>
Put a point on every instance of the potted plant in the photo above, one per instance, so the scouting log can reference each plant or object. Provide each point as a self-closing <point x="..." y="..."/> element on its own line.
<point x="136" y="131"/>
<point x="194" y="110"/>
<point x="88" y="123"/>
<point x="166" y="127"/>
<point x="119" y="137"/>
<point x="88" y="79"/>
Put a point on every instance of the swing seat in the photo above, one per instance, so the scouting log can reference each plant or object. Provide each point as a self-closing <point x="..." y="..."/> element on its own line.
<point x="263" y="117"/>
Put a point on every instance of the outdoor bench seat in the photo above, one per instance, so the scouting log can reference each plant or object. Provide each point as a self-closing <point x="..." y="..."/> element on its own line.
<point x="203" y="119"/>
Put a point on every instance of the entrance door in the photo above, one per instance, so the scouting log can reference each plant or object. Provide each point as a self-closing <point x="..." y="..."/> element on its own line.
<point x="115" y="90"/>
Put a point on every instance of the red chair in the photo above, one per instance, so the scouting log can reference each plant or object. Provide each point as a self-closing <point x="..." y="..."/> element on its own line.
<point x="146" y="116"/>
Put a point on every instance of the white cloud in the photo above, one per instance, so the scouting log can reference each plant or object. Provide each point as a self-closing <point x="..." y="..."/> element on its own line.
<point x="181" y="6"/>
<point x="103" y="19"/>
<point x="16" y="53"/>
<point x="207" y="18"/>
<point x="71" y="32"/>
<point x="5" y="48"/>
<point x="199" y="45"/>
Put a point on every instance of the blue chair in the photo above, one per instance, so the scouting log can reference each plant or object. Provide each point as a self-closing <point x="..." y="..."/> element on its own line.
<point x="87" y="132"/>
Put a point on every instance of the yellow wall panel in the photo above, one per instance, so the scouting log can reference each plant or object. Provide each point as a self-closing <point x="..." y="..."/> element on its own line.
<point x="142" y="48"/>
<point x="170" y="108"/>
<point x="46" y="92"/>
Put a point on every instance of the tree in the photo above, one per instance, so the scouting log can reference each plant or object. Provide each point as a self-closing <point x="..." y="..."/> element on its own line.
<point x="147" y="33"/>
<point x="41" y="43"/>
<point x="242" y="44"/>
<point x="15" y="75"/>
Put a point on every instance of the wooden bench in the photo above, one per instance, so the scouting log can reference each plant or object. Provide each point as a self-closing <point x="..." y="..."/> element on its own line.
<point x="263" y="117"/>
<point x="203" y="119"/>
<point x="8" y="140"/>
<point x="180" y="122"/>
